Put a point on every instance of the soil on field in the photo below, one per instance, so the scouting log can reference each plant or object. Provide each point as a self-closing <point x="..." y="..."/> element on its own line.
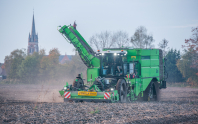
<point x="42" y="104"/>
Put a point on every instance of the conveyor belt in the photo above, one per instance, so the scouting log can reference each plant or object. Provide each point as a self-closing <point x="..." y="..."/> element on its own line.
<point x="86" y="53"/>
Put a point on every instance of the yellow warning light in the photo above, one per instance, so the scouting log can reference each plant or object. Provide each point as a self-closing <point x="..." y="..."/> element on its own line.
<point x="98" y="50"/>
<point x="121" y="50"/>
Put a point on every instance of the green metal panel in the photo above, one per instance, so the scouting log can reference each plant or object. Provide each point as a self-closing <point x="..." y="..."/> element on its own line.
<point x="146" y="82"/>
<point x="132" y="52"/>
<point x="61" y="92"/>
<point x="145" y="71"/>
<point x="154" y="52"/>
<point x="155" y="62"/>
<point x="154" y="71"/>
<point x="150" y="71"/>
<point x="95" y="62"/>
<point x="132" y="80"/>
<point x="155" y="57"/>
<point x="145" y="63"/>
<point x="138" y="86"/>
<point x="145" y="52"/>
<point x="92" y="72"/>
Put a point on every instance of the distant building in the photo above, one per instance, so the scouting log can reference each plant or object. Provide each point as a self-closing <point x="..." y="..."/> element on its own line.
<point x="33" y="40"/>
<point x="64" y="58"/>
<point x="33" y="44"/>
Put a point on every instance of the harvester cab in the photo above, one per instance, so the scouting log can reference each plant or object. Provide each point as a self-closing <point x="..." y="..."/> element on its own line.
<point x="112" y="64"/>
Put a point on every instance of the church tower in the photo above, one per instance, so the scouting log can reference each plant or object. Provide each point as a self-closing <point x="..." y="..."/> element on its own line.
<point x="33" y="40"/>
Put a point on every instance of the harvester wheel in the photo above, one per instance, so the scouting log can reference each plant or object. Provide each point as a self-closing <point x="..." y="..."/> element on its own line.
<point x="157" y="91"/>
<point x="78" y="83"/>
<point x="151" y="92"/>
<point x="122" y="90"/>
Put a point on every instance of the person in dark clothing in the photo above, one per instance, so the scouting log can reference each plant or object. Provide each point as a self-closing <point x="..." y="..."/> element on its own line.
<point x="74" y="25"/>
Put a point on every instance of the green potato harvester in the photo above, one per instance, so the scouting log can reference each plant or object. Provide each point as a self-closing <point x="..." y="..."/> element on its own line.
<point x="114" y="74"/>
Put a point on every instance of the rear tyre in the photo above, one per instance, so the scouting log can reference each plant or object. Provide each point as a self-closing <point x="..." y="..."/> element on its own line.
<point x="157" y="91"/>
<point x="152" y="92"/>
<point x="122" y="90"/>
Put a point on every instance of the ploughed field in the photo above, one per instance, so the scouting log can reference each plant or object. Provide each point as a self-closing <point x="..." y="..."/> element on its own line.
<point x="42" y="104"/>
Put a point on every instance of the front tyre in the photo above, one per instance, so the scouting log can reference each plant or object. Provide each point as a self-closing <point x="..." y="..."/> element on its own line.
<point x="122" y="90"/>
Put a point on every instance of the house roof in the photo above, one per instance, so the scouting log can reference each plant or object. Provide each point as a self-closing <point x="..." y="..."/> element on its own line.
<point x="63" y="58"/>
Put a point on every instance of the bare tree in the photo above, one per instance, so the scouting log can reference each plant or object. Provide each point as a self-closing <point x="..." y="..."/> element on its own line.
<point x="107" y="39"/>
<point x="163" y="45"/>
<point x="102" y="40"/>
<point x="120" y="39"/>
<point x="149" y="41"/>
<point x="140" y="39"/>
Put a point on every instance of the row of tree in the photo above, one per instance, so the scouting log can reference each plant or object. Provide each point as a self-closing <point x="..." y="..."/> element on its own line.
<point x="119" y="39"/>
<point x="188" y="64"/>
<point x="184" y="67"/>
<point x="174" y="75"/>
<point x="40" y="67"/>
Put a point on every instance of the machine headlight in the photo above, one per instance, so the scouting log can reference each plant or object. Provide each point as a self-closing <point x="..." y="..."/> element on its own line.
<point x="102" y="53"/>
<point x="65" y="88"/>
<point x="111" y="89"/>
<point x="115" y="54"/>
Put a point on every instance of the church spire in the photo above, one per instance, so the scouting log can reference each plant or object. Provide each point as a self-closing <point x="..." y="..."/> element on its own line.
<point x="33" y="31"/>
<point x="33" y="39"/>
<point x="29" y="38"/>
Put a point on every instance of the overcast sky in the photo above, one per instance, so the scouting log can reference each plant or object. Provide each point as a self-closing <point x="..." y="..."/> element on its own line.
<point x="169" y="19"/>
